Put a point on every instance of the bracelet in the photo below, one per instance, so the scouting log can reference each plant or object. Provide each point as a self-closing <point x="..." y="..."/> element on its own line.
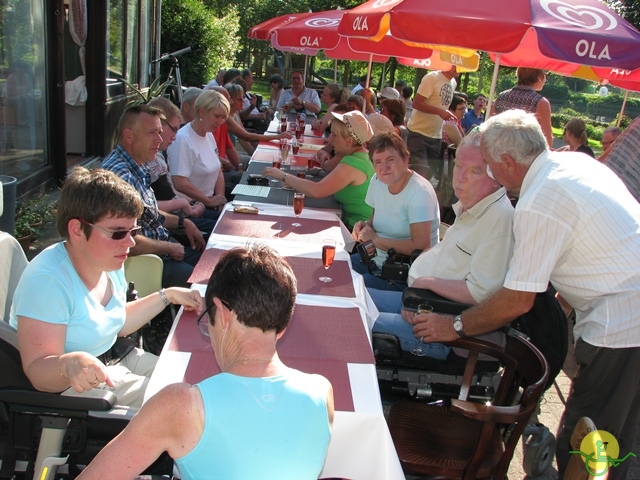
<point x="163" y="297"/>
<point x="284" y="177"/>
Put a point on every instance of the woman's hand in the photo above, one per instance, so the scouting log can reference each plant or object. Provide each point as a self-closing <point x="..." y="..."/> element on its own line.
<point x="367" y="233"/>
<point x="322" y="156"/>
<point x="191" y="300"/>
<point x="273" y="172"/>
<point x="84" y="371"/>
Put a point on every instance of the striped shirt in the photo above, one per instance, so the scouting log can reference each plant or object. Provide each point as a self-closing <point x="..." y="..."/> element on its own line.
<point x="121" y="163"/>
<point x="577" y="225"/>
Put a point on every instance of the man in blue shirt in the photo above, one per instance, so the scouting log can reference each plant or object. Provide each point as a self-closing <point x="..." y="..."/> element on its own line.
<point x="475" y="116"/>
<point x="139" y="138"/>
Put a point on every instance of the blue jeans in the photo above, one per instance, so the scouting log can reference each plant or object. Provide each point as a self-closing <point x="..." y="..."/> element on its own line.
<point x="175" y="273"/>
<point x="390" y="321"/>
<point x="374" y="281"/>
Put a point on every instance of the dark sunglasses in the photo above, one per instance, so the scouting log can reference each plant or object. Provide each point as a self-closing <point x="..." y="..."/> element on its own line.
<point x="113" y="235"/>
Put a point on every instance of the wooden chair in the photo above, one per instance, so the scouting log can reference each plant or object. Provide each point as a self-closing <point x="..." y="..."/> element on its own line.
<point x="466" y="439"/>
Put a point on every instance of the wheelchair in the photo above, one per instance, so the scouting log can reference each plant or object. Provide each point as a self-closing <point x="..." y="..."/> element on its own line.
<point x="403" y="376"/>
<point x="48" y="435"/>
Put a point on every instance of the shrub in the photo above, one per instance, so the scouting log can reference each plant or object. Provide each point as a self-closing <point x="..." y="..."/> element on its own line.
<point x="189" y="22"/>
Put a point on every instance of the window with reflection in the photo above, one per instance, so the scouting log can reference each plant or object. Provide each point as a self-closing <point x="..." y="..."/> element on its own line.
<point x="22" y="87"/>
<point x="128" y="52"/>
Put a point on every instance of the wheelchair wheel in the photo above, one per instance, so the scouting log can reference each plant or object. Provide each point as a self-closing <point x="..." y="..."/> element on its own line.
<point x="540" y="447"/>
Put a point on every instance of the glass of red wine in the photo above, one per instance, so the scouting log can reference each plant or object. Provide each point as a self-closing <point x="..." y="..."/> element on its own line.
<point x="328" y="254"/>
<point x="298" y="205"/>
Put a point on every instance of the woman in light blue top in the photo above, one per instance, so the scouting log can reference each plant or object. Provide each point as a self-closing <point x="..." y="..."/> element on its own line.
<point x="70" y="305"/>
<point x="258" y="418"/>
<point x="405" y="215"/>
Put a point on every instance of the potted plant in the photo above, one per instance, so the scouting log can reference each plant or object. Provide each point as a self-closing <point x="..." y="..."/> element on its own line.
<point x="30" y="216"/>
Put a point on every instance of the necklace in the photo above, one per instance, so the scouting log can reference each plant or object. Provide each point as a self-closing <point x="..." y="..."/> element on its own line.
<point x="250" y="361"/>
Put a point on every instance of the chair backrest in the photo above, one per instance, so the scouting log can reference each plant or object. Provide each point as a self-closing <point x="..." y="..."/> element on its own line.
<point x="145" y="271"/>
<point x="523" y="380"/>
<point x="12" y="264"/>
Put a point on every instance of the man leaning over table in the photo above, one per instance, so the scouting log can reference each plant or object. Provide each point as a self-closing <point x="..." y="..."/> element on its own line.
<point x="139" y="138"/>
<point x="577" y="226"/>
<point x="470" y="263"/>
<point x="299" y="98"/>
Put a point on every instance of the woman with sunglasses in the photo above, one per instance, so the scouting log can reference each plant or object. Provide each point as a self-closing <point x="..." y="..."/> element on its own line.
<point x="69" y="307"/>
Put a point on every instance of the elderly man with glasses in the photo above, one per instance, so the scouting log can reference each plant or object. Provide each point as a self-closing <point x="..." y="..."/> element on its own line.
<point x="299" y="98"/>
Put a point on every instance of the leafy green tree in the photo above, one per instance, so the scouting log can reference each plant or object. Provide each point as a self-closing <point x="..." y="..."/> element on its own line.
<point x="628" y="9"/>
<point x="213" y="34"/>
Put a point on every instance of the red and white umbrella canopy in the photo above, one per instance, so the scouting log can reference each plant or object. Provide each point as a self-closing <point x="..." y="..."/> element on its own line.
<point x="581" y="32"/>
<point x="308" y="33"/>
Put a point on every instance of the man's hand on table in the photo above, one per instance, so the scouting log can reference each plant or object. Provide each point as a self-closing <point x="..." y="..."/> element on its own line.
<point x="196" y="240"/>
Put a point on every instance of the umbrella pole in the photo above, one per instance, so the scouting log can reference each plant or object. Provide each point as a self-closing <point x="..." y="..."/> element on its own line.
<point x="369" y="70"/>
<point x="335" y="71"/>
<point x="624" y="104"/>
<point x="494" y="81"/>
<point x="306" y="65"/>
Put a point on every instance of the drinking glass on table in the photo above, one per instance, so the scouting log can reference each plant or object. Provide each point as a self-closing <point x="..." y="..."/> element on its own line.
<point x="276" y="161"/>
<point x="328" y="254"/>
<point x="295" y="146"/>
<point x="284" y="151"/>
<point x="298" y="205"/>
<point x="423" y="309"/>
<point x="299" y="130"/>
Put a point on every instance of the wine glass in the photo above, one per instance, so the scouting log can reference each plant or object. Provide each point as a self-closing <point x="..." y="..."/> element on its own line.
<point x="275" y="164"/>
<point x="298" y="205"/>
<point x="328" y="253"/>
<point x="284" y="151"/>
<point x="423" y="309"/>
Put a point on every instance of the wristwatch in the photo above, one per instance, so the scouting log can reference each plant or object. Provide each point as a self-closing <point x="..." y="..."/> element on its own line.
<point x="180" y="221"/>
<point x="458" y="326"/>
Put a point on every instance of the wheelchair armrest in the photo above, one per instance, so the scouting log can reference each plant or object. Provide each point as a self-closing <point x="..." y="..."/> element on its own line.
<point x="485" y="412"/>
<point x="98" y="400"/>
<point x="412" y="297"/>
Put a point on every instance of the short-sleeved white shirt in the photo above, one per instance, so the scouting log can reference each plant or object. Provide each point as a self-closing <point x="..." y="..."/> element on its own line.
<point x="476" y="248"/>
<point x="195" y="158"/>
<point x="577" y="225"/>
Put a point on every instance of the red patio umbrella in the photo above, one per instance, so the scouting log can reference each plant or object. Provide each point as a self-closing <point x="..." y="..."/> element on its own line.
<point x="308" y="33"/>
<point x="564" y="33"/>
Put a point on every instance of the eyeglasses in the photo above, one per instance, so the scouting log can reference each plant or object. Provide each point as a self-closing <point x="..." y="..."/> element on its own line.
<point x="113" y="234"/>
<point x="174" y="129"/>
<point x="606" y="144"/>
<point x="203" y="323"/>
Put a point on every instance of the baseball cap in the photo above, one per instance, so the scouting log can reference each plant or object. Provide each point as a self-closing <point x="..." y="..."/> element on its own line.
<point x="357" y="125"/>
<point x="389" y="93"/>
